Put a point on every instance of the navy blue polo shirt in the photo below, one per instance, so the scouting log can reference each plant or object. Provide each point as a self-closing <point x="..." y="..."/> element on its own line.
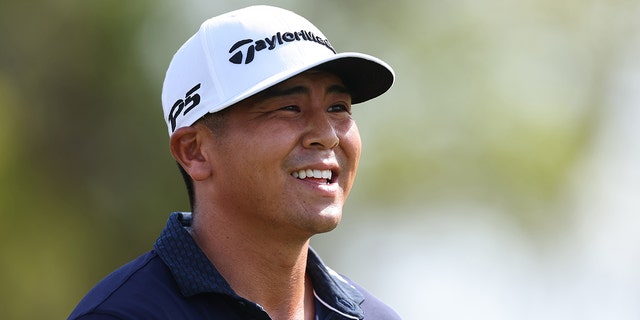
<point x="175" y="280"/>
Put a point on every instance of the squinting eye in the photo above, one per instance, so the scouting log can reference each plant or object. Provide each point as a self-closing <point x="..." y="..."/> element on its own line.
<point x="340" y="108"/>
<point x="290" y="108"/>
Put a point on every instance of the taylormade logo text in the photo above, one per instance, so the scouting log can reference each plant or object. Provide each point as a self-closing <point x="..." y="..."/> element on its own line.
<point x="244" y="51"/>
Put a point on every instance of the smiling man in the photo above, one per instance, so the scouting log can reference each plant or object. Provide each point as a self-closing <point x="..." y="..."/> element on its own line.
<point x="258" y="109"/>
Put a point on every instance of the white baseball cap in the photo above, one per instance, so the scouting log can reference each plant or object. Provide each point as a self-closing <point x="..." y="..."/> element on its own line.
<point x="238" y="54"/>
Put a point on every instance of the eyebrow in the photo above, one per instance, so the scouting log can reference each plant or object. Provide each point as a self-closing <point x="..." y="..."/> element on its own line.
<point x="275" y="92"/>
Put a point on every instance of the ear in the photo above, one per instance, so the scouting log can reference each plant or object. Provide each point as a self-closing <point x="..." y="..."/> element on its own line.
<point x="187" y="148"/>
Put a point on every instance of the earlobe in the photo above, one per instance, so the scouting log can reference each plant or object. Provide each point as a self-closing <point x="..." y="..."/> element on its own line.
<point x="186" y="147"/>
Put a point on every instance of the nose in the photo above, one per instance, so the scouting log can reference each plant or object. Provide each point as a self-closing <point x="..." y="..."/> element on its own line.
<point x="321" y="132"/>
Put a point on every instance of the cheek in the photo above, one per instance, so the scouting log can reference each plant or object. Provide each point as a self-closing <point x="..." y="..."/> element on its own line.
<point x="352" y="144"/>
<point x="262" y="154"/>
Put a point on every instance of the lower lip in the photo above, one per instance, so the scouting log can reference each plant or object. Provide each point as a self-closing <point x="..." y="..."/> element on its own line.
<point x="320" y="185"/>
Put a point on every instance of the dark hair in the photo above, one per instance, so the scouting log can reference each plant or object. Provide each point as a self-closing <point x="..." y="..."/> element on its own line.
<point x="215" y="123"/>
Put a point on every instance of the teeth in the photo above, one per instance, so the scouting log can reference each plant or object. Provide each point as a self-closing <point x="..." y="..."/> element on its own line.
<point x="309" y="173"/>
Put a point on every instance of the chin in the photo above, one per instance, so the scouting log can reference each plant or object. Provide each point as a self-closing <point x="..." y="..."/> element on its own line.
<point x="328" y="220"/>
<point x="317" y="220"/>
<point x="325" y="228"/>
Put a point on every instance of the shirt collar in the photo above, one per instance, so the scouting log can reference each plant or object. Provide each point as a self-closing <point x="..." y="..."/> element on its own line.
<point x="191" y="268"/>
<point x="333" y="290"/>
<point x="195" y="274"/>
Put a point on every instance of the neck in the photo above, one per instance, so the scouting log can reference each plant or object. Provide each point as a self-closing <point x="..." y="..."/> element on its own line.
<point x="258" y="266"/>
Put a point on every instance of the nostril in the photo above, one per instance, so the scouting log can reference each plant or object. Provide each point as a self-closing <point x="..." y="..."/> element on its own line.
<point x="322" y="136"/>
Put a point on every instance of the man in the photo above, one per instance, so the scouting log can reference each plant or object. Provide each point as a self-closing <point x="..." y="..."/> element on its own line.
<point x="258" y="109"/>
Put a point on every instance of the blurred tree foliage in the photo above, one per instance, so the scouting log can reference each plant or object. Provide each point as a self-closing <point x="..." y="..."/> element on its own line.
<point x="83" y="162"/>
<point x="494" y="102"/>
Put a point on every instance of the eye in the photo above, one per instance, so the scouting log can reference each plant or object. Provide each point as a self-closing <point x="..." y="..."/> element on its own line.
<point x="340" y="108"/>
<point x="291" y="108"/>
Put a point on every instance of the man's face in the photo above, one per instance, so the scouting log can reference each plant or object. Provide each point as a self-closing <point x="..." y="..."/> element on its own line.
<point x="286" y="158"/>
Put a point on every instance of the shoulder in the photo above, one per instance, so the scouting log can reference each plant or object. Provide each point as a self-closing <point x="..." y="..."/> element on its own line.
<point x="135" y="289"/>
<point x="373" y="307"/>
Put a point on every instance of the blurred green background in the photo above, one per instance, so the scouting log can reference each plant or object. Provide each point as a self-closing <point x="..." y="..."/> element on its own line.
<point x="499" y="177"/>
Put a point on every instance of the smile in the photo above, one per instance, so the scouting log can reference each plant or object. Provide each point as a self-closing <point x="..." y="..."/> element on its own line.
<point x="313" y="173"/>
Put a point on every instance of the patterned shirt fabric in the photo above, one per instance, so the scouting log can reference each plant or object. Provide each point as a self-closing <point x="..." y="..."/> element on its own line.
<point x="176" y="280"/>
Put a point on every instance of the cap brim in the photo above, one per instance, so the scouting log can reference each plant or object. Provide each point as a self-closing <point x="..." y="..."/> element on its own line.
<point x="365" y="76"/>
